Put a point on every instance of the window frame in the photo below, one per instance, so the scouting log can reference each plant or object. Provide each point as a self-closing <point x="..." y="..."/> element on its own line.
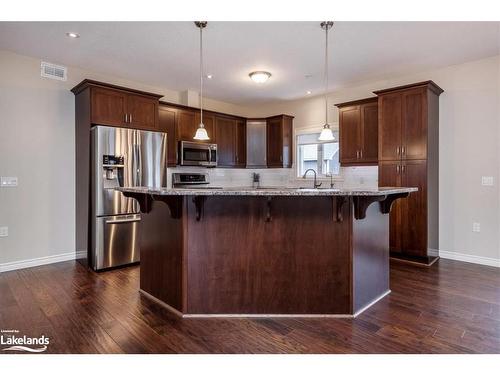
<point x="310" y="176"/>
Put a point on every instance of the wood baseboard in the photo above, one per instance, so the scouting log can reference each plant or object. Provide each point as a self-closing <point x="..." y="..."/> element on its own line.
<point x="420" y="261"/>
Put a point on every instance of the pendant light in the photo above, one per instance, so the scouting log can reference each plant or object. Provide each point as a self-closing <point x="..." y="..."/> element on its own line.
<point x="201" y="132"/>
<point x="326" y="132"/>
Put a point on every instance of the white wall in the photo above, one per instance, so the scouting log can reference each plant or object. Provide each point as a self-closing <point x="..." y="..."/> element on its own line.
<point x="469" y="148"/>
<point x="37" y="117"/>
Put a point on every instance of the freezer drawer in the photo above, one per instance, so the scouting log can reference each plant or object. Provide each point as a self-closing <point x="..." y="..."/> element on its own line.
<point x="116" y="241"/>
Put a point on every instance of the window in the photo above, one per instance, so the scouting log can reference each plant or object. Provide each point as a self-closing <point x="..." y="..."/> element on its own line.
<point x="322" y="157"/>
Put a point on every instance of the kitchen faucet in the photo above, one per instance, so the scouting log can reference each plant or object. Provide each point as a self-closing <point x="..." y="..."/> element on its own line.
<point x="315" y="185"/>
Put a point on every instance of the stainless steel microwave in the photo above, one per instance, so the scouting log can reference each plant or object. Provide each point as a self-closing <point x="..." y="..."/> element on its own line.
<point x="198" y="154"/>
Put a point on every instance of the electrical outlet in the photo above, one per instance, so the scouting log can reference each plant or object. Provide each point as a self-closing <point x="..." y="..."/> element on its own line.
<point x="476" y="227"/>
<point x="487" y="181"/>
<point x="4" y="231"/>
<point x="8" y="181"/>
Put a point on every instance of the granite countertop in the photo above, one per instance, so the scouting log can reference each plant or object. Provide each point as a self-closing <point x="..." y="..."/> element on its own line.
<point x="270" y="191"/>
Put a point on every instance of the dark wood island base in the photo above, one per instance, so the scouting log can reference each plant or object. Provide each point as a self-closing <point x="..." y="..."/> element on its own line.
<point x="263" y="255"/>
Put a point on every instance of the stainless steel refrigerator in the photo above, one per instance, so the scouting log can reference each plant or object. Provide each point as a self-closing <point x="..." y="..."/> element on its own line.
<point x="121" y="157"/>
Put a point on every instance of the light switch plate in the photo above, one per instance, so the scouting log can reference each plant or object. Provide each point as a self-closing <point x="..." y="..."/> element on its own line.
<point x="487" y="180"/>
<point x="476" y="227"/>
<point x="8" y="181"/>
<point x="4" y="231"/>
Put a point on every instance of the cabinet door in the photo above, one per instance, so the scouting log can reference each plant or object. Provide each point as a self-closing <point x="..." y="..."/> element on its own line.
<point x="186" y="125"/>
<point x="349" y="129"/>
<point x="414" y="208"/>
<point x="142" y="112"/>
<point x="108" y="107"/>
<point x="389" y="175"/>
<point x="369" y="132"/>
<point x="389" y="127"/>
<point x="209" y="122"/>
<point x="167" y="123"/>
<point x="275" y="142"/>
<point x="241" y="143"/>
<point x="414" y="137"/>
<point x="226" y="136"/>
<point x="287" y="142"/>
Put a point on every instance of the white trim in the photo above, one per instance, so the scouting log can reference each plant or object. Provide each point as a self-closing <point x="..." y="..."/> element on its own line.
<point x="493" y="262"/>
<point x="20" y="264"/>
<point x="366" y="307"/>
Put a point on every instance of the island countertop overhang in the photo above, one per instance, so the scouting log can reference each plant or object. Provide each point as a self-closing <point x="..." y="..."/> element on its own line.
<point x="270" y="191"/>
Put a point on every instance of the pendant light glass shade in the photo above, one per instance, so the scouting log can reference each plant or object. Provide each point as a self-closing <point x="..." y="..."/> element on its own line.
<point x="326" y="134"/>
<point x="201" y="133"/>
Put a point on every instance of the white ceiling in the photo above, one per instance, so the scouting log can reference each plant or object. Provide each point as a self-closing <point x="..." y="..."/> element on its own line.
<point x="165" y="54"/>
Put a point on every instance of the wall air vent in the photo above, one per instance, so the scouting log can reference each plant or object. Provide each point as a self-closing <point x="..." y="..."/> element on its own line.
<point x="52" y="71"/>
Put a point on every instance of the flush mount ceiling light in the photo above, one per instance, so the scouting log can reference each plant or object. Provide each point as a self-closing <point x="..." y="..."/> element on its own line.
<point x="201" y="132"/>
<point x="72" y="35"/>
<point x="209" y="76"/>
<point x="260" y="76"/>
<point x="326" y="132"/>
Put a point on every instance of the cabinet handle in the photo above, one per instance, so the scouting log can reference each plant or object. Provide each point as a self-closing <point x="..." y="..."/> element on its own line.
<point x="361" y="154"/>
<point x="130" y="117"/>
<point x="403" y="150"/>
<point x="126" y="118"/>
<point x="281" y="157"/>
<point x="357" y="154"/>
<point x="397" y="150"/>
<point x="403" y="168"/>
<point x="397" y="168"/>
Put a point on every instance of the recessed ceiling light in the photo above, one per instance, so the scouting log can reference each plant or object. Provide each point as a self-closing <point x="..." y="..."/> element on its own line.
<point x="308" y="92"/>
<point x="259" y="76"/>
<point x="72" y="35"/>
<point x="209" y="76"/>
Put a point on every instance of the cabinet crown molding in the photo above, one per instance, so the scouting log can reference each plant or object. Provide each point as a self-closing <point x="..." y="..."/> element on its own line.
<point x="89" y="82"/>
<point x="431" y="85"/>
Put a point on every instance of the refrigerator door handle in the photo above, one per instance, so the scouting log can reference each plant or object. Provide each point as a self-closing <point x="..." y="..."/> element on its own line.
<point x="121" y="221"/>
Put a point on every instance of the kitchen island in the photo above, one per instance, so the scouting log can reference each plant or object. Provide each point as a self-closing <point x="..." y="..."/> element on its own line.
<point x="265" y="251"/>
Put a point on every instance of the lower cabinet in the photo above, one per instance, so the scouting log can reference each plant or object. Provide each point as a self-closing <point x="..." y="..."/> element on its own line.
<point x="408" y="217"/>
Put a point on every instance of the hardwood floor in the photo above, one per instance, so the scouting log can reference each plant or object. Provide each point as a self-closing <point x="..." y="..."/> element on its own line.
<point x="452" y="307"/>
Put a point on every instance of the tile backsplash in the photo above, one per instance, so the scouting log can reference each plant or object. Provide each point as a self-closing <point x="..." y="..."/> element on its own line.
<point x="350" y="177"/>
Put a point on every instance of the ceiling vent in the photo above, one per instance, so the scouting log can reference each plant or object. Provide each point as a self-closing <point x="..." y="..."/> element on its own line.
<point x="52" y="71"/>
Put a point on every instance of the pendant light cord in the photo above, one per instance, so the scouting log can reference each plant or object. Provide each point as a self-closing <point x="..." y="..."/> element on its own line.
<point x="326" y="75"/>
<point x="201" y="76"/>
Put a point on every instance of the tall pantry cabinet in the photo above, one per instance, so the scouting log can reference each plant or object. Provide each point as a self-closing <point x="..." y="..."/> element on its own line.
<point x="408" y="154"/>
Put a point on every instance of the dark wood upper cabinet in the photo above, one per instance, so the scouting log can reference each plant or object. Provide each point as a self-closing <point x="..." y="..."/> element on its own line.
<point x="369" y="132"/>
<point x="113" y="105"/>
<point x="408" y="144"/>
<point x="186" y="125"/>
<point x="279" y="141"/>
<point x="167" y="122"/>
<point x="241" y="143"/>
<point x="358" y="131"/>
<point x="390" y="126"/>
<point x="414" y="124"/>
<point x="108" y="107"/>
<point x="225" y="129"/>
<point x="142" y="112"/>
